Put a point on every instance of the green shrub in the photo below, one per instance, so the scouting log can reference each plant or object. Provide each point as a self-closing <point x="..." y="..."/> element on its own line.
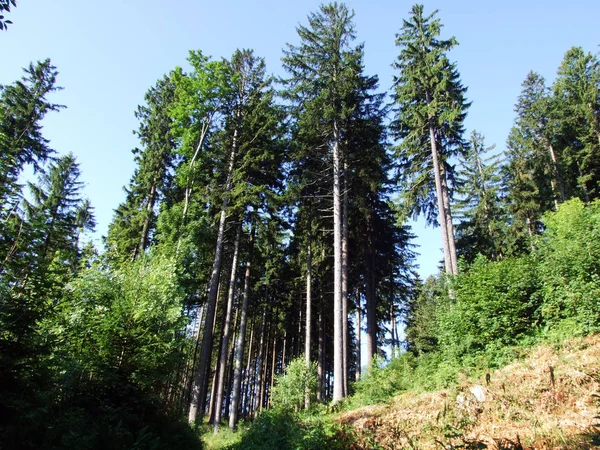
<point x="283" y="429"/>
<point x="569" y="251"/>
<point x="380" y="382"/>
<point x="496" y="304"/>
<point x="290" y="388"/>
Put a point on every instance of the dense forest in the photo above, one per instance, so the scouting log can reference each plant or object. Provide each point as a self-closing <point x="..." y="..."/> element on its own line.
<point x="265" y="231"/>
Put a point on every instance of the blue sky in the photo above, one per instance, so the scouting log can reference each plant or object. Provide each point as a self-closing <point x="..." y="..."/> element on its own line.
<point x="109" y="53"/>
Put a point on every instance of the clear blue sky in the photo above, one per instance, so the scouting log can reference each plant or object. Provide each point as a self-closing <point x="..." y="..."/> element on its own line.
<point x="109" y="53"/>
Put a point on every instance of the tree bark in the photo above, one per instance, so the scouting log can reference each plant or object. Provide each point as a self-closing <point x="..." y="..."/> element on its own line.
<point x="358" y="332"/>
<point x="440" y="199"/>
<point x="188" y="186"/>
<point x="285" y="339"/>
<point x="229" y="380"/>
<point x="557" y="177"/>
<point x="449" y="224"/>
<point x="393" y="330"/>
<point x="226" y="330"/>
<point x="308" y="310"/>
<point x="258" y="363"/>
<point x="245" y="404"/>
<point x="273" y="361"/>
<point x="198" y="402"/>
<point x="239" y="348"/>
<point x="143" y="244"/>
<point x="345" y="280"/>
<point x="371" y="301"/>
<point x="338" y="343"/>
<point x="321" y="355"/>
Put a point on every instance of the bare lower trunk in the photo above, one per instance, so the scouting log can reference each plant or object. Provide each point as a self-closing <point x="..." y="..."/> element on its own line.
<point x="239" y="347"/>
<point x="320" y="357"/>
<point x="338" y="342"/>
<point x="245" y="390"/>
<point x="229" y="380"/>
<point x="449" y="225"/>
<point x="198" y="402"/>
<point x="273" y="361"/>
<point x="285" y="338"/>
<point x="188" y="182"/>
<point x="143" y="244"/>
<point x="265" y="370"/>
<point x="371" y="304"/>
<point x="259" y="361"/>
<point x="440" y="200"/>
<point x="345" y="280"/>
<point x="393" y="330"/>
<point x="213" y="388"/>
<point x="299" y="333"/>
<point x="197" y="333"/>
<point x="358" y="331"/>
<point x="308" y="311"/>
<point x="557" y="182"/>
<point x="226" y="332"/>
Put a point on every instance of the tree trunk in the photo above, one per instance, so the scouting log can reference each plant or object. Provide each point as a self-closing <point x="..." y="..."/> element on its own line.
<point x="450" y="227"/>
<point x="213" y="389"/>
<point x="198" y="402"/>
<point x="308" y="310"/>
<point x="393" y="329"/>
<point x="239" y="348"/>
<point x="338" y="342"/>
<point x="226" y="331"/>
<point x="345" y="280"/>
<point x="321" y="355"/>
<point x="273" y="361"/>
<point x="258" y="365"/>
<point x="190" y="380"/>
<point x="371" y="302"/>
<point x="440" y="199"/>
<point x="229" y="381"/>
<point x="299" y="333"/>
<point x="143" y="244"/>
<point x="188" y="186"/>
<point x="215" y="372"/>
<point x="285" y="339"/>
<point x="245" y="390"/>
<point x="358" y="332"/>
<point x="557" y="176"/>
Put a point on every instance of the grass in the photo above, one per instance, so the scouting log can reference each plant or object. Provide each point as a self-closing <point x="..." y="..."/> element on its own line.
<point x="225" y="439"/>
<point x="549" y="399"/>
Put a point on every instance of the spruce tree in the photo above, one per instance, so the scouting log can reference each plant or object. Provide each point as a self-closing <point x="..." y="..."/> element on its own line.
<point x="129" y="235"/>
<point x="576" y="94"/>
<point x="23" y="105"/>
<point x="482" y="218"/>
<point x="430" y="108"/>
<point x="322" y="75"/>
<point x="45" y="257"/>
<point x="532" y="174"/>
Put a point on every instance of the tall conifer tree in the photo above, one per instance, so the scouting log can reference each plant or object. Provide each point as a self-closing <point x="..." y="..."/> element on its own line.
<point x="322" y="75"/>
<point x="129" y="235"/>
<point x="430" y="109"/>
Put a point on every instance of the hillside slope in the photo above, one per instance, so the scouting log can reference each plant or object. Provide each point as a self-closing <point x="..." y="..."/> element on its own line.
<point x="550" y="399"/>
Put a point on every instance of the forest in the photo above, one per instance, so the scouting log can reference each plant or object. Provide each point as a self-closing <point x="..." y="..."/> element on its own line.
<point x="265" y="237"/>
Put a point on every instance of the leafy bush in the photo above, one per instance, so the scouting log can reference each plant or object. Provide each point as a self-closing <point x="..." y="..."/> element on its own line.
<point x="119" y="338"/>
<point x="381" y="382"/>
<point x="281" y="428"/>
<point x="496" y="305"/>
<point x="570" y="266"/>
<point x="291" y="387"/>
